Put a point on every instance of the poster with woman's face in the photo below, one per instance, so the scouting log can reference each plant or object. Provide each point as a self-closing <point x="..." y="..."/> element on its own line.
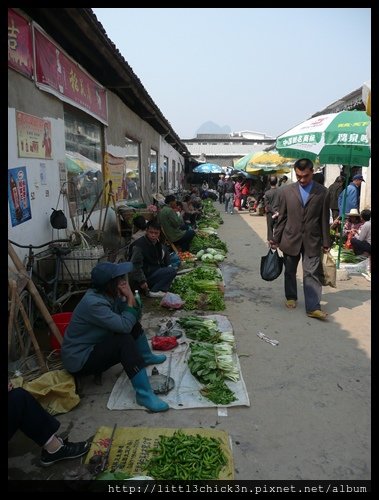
<point x="33" y="136"/>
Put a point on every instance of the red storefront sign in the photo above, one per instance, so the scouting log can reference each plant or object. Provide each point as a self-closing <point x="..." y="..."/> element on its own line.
<point x="20" y="51"/>
<point x="60" y="75"/>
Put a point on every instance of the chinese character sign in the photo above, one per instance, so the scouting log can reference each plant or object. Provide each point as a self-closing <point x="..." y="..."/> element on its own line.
<point x="20" y="52"/>
<point x="18" y="196"/>
<point x="33" y="136"/>
<point x="60" y="75"/>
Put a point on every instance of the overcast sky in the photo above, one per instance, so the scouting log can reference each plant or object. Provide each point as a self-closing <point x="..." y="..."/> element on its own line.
<point x="264" y="70"/>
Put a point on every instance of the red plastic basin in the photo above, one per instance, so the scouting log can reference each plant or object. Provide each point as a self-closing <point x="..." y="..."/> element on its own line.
<point x="61" y="320"/>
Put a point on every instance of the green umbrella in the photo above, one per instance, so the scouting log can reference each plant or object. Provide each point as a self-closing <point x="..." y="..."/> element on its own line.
<point x="72" y="166"/>
<point x="335" y="138"/>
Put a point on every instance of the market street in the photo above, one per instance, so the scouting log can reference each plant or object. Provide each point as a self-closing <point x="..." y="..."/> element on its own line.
<point x="309" y="414"/>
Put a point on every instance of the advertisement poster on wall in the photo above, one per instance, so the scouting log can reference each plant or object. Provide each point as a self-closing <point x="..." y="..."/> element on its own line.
<point x="33" y="136"/>
<point x="18" y="196"/>
<point x="115" y="171"/>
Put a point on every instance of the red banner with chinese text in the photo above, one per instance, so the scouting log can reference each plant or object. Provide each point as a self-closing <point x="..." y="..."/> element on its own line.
<point x="20" y="48"/>
<point x="60" y="75"/>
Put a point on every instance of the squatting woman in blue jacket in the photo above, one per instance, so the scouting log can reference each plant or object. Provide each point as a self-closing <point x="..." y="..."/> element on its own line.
<point x="105" y="330"/>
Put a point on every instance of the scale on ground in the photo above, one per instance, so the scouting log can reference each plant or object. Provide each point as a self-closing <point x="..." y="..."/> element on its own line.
<point x="162" y="384"/>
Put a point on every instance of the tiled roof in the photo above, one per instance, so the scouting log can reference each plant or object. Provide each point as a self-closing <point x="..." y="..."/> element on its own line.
<point x="225" y="149"/>
<point x="346" y="103"/>
<point x="243" y="135"/>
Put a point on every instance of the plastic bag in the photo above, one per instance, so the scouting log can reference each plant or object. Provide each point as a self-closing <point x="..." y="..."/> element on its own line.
<point x="163" y="343"/>
<point x="55" y="391"/>
<point x="172" y="301"/>
<point x="174" y="260"/>
<point x="271" y="265"/>
<point x="58" y="219"/>
<point x="328" y="271"/>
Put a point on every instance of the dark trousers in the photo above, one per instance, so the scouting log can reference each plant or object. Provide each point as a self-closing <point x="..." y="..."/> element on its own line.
<point x="188" y="216"/>
<point x="117" y="348"/>
<point x="221" y="197"/>
<point x="185" y="241"/>
<point x="161" y="279"/>
<point x="25" y="413"/>
<point x="311" y="282"/>
<point x="360" y="247"/>
<point x="229" y="200"/>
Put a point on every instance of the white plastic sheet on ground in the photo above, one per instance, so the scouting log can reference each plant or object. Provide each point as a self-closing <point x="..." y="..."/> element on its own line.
<point x="186" y="393"/>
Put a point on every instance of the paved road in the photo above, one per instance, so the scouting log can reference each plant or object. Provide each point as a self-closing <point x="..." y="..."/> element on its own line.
<point x="310" y="396"/>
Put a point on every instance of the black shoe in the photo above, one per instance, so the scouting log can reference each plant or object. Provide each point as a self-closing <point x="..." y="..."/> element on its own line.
<point x="66" y="451"/>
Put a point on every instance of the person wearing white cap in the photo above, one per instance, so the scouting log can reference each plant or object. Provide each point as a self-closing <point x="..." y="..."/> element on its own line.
<point x="105" y="330"/>
<point x="158" y="199"/>
<point x="352" y="224"/>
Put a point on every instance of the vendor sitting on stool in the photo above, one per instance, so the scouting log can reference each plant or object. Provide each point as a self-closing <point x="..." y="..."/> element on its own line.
<point x="171" y="223"/>
<point x="105" y="330"/>
<point x="152" y="272"/>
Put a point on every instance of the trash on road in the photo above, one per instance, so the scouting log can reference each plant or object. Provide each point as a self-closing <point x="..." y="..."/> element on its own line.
<point x="267" y="339"/>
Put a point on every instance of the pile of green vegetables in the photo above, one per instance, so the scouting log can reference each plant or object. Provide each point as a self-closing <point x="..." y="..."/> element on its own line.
<point x="211" y="360"/>
<point x="203" y="241"/>
<point x="218" y="392"/>
<point x="200" y="329"/>
<point x="186" y="457"/>
<point x="201" y="289"/>
<point x="347" y="256"/>
<point x="210" y="255"/>
<point x="212" y="369"/>
<point x="211" y="216"/>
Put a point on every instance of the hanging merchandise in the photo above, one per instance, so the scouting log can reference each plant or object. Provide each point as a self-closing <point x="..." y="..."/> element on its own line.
<point x="58" y="219"/>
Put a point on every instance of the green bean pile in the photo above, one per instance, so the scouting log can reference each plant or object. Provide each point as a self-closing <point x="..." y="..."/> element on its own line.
<point x="186" y="457"/>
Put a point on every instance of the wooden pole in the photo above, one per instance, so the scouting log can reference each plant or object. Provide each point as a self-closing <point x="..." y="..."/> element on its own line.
<point x="107" y="205"/>
<point x="29" y="329"/>
<point x="93" y="207"/>
<point x="101" y="210"/>
<point x="111" y="193"/>
<point x="35" y="295"/>
<point x="13" y="289"/>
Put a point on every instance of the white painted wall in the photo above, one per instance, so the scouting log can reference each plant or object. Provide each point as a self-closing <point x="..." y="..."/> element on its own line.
<point x="38" y="230"/>
<point x="166" y="149"/>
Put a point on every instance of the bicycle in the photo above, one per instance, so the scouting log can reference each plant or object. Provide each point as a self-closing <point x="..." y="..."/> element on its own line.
<point x="54" y="291"/>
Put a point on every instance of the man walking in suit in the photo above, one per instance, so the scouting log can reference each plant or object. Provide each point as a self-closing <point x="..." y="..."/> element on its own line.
<point x="302" y="230"/>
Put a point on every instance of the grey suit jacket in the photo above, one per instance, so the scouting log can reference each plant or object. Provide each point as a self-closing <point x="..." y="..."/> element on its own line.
<point x="298" y="225"/>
